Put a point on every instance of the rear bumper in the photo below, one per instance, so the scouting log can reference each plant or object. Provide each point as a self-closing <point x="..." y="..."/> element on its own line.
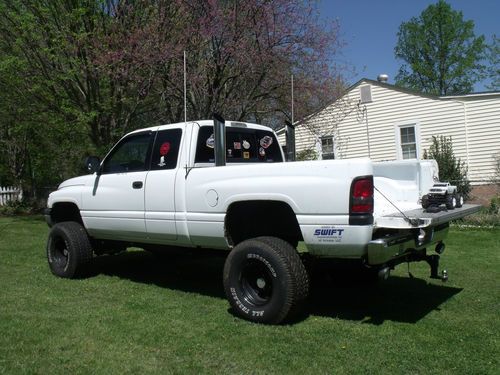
<point x="386" y="249"/>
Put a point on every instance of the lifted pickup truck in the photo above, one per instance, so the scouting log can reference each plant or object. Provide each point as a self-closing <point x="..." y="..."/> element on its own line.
<point x="226" y="186"/>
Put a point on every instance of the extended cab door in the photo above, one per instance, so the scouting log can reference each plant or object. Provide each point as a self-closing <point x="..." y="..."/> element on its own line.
<point x="114" y="207"/>
<point x="160" y="186"/>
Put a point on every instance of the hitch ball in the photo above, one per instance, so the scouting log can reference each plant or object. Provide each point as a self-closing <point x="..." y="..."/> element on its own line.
<point x="440" y="248"/>
<point x="444" y="276"/>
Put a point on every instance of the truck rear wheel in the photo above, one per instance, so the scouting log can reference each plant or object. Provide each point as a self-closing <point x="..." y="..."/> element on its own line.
<point x="68" y="250"/>
<point x="460" y="200"/>
<point x="265" y="280"/>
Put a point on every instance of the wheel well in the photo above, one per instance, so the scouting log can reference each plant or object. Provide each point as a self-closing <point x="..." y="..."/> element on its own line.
<point x="65" y="211"/>
<point x="251" y="219"/>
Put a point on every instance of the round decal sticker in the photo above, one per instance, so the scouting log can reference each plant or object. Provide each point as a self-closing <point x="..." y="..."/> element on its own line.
<point x="211" y="141"/>
<point x="266" y="141"/>
<point x="165" y="148"/>
<point x="246" y="144"/>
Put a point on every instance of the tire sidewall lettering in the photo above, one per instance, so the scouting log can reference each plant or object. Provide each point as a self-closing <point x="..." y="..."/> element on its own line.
<point x="265" y="261"/>
<point x="238" y="302"/>
<point x="254" y="312"/>
<point x="244" y="308"/>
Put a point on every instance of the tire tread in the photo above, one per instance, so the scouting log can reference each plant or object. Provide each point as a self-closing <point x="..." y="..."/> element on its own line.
<point x="78" y="239"/>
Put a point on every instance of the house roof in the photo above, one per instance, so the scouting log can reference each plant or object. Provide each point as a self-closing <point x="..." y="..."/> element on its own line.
<point x="418" y="93"/>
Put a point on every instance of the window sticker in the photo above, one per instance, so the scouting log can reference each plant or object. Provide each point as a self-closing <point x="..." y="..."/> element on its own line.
<point x="211" y="141"/>
<point x="246" y="144"/>
<point x="165" y="148"/>
<point x="262" y="152"/>
<point x="229" y="153"/>
<point x="237" y="145"/>
<point x="266" y="141"/>
<point x="246" y="155"/>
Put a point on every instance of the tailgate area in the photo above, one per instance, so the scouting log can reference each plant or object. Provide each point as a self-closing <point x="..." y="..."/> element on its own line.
<point x="411" y="232"/>
<point x="418" y="218"/>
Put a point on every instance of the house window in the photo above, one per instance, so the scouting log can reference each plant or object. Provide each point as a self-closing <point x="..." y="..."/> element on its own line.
<point x="408" y="142"/>
<point x="327" y="150"/>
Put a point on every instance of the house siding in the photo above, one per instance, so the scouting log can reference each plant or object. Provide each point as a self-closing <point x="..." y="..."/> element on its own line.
<point x="346" y="121"/>
<point x="483" y="125"/>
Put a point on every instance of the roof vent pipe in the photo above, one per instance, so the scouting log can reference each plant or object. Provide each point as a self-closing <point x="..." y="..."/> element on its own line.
<point x="220" y="140"/>
<point x="383" y="78"/>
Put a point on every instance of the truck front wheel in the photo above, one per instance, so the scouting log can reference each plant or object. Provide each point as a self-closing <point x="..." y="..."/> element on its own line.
<point x="265" y="280"/>
<point x="68" y="250"/>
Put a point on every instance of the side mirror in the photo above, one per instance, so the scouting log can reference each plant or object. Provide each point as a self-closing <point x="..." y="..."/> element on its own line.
<point x="92" y="164"/>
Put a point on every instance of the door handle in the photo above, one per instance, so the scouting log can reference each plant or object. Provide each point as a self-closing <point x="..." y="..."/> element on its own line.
<point x="137" y="184"/>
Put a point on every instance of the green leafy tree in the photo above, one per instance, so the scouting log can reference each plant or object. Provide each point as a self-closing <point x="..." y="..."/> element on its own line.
<point x="440" y="52"/>
<point x="75" y="75"/>
<point x="493" y="70"/>
<point x="451" y="169"/>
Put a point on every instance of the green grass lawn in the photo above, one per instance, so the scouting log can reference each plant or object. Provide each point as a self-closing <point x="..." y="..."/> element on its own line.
<point x="142" y="315"/>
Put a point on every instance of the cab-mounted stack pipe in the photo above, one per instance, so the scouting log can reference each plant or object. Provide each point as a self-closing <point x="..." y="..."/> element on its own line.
<point x="220" y="140"/>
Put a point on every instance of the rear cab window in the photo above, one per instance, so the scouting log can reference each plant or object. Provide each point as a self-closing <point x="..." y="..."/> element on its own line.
<point x="243" y="145"/>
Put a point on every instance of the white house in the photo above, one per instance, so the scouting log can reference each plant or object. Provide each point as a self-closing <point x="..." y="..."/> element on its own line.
<point x="384" y="122"/>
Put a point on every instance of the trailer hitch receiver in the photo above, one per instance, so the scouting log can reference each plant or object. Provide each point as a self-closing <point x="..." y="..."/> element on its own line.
<point x="433" y="261"/>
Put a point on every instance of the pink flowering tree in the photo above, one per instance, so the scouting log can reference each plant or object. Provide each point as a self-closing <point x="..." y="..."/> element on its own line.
<point x="75" y="75"/>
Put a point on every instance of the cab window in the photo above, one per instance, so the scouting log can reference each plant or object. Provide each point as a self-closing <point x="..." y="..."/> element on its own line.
<point x="130" y="155"/>
<point x="166" y="149"/>
<point x="243" y="145"/>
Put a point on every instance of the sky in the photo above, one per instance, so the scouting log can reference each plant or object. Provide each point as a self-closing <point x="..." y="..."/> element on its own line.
<point x="369" y="29"/>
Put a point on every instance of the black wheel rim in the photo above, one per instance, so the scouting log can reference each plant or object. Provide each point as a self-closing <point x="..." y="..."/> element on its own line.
<point x="60" y="253"/>
<point x="256" y="283"/>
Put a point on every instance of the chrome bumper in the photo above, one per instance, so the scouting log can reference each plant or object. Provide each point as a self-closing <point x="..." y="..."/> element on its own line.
<point x="386" y="249"/>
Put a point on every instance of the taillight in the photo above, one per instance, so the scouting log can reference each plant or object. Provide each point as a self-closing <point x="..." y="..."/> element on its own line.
<point x="362" y="195"/>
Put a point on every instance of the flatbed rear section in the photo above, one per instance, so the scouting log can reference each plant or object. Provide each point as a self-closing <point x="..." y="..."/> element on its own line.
<point x="420" y="218"/>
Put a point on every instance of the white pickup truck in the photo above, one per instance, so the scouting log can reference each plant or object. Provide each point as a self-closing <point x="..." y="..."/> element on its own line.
<point x="210" y="184"/>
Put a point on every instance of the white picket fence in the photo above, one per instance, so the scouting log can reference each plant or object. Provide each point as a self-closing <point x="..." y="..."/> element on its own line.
<point x="10" y="194"/>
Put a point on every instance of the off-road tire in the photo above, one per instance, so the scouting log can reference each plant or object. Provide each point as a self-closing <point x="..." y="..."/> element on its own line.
<point x="451" y="201"/>
<point x="460" y="200"/>
<point x="425" y="202"/>
<point x="265" y="280"/>
<point x="69" y="252"/>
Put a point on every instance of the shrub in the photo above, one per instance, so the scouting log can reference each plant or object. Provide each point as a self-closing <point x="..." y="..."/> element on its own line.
<point x="451" y="169"/>
<point x="496" y="169"/>
<point x="23" y="207"/>
<point x="306" y="155"/>
<point x="494" y="207"/>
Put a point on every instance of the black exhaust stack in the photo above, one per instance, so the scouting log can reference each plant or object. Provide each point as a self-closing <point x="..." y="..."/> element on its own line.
<point x="220" y="140"/>
<point x="290" y="140"/>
